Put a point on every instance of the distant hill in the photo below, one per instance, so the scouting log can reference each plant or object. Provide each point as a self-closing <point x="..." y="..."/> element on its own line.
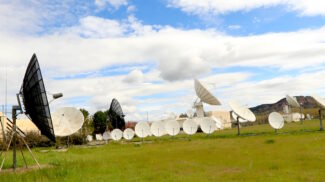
<point x="307" y="102"/>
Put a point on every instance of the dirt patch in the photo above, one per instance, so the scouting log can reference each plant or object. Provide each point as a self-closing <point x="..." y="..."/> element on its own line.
<point x="20" y="170"/>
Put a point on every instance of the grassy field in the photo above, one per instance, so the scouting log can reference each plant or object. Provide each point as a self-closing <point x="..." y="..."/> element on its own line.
<point x="295" y="153"/>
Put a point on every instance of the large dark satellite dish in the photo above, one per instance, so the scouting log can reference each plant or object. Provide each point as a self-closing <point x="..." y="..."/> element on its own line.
<point x="35" y="99"/>
<point x="116" y="116"/>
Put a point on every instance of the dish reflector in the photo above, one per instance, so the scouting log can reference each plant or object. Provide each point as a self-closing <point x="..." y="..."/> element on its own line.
<point x="89" y="138"/>
<point x="99" y="137"/>
<point x="116" y="134"/>
<point x="190" y="127"/>
<point x="235" y="116"/>
<point x="172" y="127"/>
<point x="242" y="111"/>
<point x="157" y="128"/>
<point x="219" y="124"/>
<point x="208" y="125"/>
<point x="35" y="99"/>
<point x="204" y="94"/>
<point x="319" y="100"/>
<point x="276" y="120"/>
<point x="116" y="115"/>
<point x="142" y="129"/>
<point x="292" y="101"/>
<point x="67" y="121"/>
<point x="128" y="134"/>
<point x="106" y="135"/>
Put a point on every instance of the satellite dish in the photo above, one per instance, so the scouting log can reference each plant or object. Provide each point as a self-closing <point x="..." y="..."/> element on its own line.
<point x="235" y="116"/>
<point x="35" y="99"/>
<point x="189" y="113"/>
<point x="116" y="134"/>
<point x="319" y="100"/>
<point x="157" y="128"/>
<point x="208" y="125"/>
<point x="89" y="138"/>
<point x="142" y="129"/>
<point x="219" y="124"/>
<point x="190" y="127"/>
<point x="67" y="121"/>
<point x="172" y="127"/>
<point x="292" y="101"/>
<point x="276" y="120"/>
<point x="242" y="112"/>
<point x="116" y="115"/>
<point x="204" y="94"/>
<point x="128" y="134"/>
<point x="99" y="137"/>
<point x="106" y="135"/>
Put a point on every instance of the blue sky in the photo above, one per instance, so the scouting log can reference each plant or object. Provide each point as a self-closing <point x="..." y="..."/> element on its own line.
<point x="147" y="53"/>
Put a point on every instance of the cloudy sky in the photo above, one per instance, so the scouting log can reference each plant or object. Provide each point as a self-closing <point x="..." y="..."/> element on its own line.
<point x="146" y="53"/>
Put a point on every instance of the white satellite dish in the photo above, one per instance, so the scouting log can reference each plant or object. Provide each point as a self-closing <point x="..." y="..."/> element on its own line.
<point x="172" y="127"/>
<point x="204" y="94"/>
<point x="190" y="127"/>
<point x="242" y="112"/>
<point x="292" y="101"/>
<point x="321" y="102"/>
<point x="219" y="124"/>
<point x="142" y="129"/>
<point x="106" y="135"/>
<point x="157" y="128"/>
<point x="89" y="138"/>
<point x="99" y="137"/>
<point x="66" y="121"/>
<point x="116" y="134"/>
<point x="235" y="117"/>
<point x="128" y="134"/>
<point x="276" y="120"/>
<point x="208" y="125"/>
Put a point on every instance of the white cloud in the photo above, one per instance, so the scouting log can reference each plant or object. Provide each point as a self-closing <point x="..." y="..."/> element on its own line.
<point x="135" y="76"/>
<point x="115" y="3"/>
<point x="304" y="7"/>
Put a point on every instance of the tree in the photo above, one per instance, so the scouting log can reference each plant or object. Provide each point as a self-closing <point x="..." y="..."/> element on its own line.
<point x="85" y="113"/>
<point x="99" y="122"/>
<point x="87" y="127"/>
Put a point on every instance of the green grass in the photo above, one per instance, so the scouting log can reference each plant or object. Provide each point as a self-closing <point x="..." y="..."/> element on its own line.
<point x="295" y="153"/>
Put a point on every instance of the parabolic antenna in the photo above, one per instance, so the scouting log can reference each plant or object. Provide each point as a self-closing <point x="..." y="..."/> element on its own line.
<point x="67" y="121"/>
<point x="208" y="125"/>
<point x="276" y="120"/>
<point x="204" y="94"/>
<point x="35" y="99"/>
<point x="190" y="127"/>
<point x="319" y="100"/>
<point x="235" y="116"/>
<point x="99" y="137"/>
<point x="116" y="134"/>
<point x="219" y="124"/>
<point x="157" y="128"/>
<point x="142" y="129"/>
<point x="242" y="111"/>
<point x="106" y="135"/>
<point x="89" y="138"/>
<point x="128" y="134"/>
<point x="116" y="115"/>
<point x="172" y="127"/>
<point x="292" y="101"/>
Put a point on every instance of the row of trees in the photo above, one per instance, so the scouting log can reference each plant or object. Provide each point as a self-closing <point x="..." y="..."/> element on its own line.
<point x="98" y="123"/>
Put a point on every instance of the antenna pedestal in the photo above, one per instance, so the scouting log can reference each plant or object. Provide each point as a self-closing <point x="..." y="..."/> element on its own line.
<point x="320" y="120"/>
<point x="238" y="126"/>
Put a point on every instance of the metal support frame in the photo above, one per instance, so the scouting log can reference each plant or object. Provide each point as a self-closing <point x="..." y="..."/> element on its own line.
<point x="320" y="120"/>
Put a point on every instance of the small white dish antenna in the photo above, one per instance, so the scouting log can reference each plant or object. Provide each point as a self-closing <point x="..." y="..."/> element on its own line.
<point x="128" y="134"/>
<point x="99" y="137"/>
<point x="66" y="121"/>
<point x="243" y="113"/>
<point x="142" y="129"/>
<point x="190" y="127"/>
<point x="172" y="127"/>
<point x="208" y="125"/>
<point x="321" y="102"/>
<point x="204" y="94"/>
<point x="158" y="129"/>
<point x="89" y="138"/>
<point x="219" y="124"/>
<point x="106" y="135"/>
<point x="116" y="134"/>
<point x="292" y="101"/>
<point x="276" y="120"/>
<point x="235" y="116"/>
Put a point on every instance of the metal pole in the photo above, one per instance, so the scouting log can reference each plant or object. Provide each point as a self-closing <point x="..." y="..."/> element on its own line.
<point x="320" y="119"/>
<point x="238" y="130"/>
<point x="14" y="165"/>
